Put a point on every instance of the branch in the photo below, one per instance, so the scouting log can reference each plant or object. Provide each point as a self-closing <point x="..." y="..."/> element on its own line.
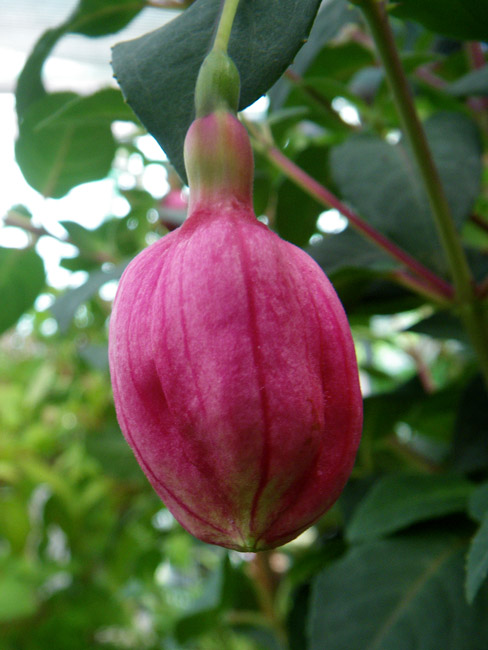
<point x="436" y="285"/>
<point x="469" y="309"/>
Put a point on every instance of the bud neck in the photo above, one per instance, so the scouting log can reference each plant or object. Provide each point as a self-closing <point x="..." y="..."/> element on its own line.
<point x="218" y="161"/>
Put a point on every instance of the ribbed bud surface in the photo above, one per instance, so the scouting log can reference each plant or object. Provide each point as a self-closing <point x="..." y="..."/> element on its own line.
<point x="233" y="367"/>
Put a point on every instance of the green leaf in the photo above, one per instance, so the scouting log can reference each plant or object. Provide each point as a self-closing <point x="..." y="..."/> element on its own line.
<point x="29" y="84"/>
<point x="398" y="594"/>
<point x="333" y="15"/>
<point x="297" y="211"/>
<point x="65" y="307"/>
<point x="102" y="107"/>
<point x="109" y="447"/>
<point x="91" y="18"/>
<point x="464" y="19"/>
<point x="396" y="501"/>
<point x="477" y="562"/>
<point x="472" y="83"/>
<point x="350" y="250"/>
<point x="478" y="502"/>
<point x="441" y="325"/>
<point x="157" y="72"/>
<point x="22" y="278"/>
<point x="469" y="450"/>
<point x="55" y="156"/>
<point x="398" y="206"/>
<point x="100" y="17"/>
<point x="17" y="598"/>
<point x="383" y="411"/>
<point x="227" y="587"/>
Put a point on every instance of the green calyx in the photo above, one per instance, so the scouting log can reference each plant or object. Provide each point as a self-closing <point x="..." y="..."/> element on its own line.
<point x="217" y="85"/>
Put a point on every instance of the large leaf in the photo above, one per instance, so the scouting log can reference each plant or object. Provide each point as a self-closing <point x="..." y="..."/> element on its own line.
<point x="472" y="83"/>
<point x="477" y="563"/>
<point x="22" y="278"/>
<point x="55" y="155"/>
<point x="396" y="502"/>
<point x="103" y="107"/>
<point x="464" y="19"/>
<point x="65" y="307"/>
<point x="350" y="250"/>
<point x="470" y="451"/>
<point x="383" y="184"/>
<point x="478" y="502"/>
<point x="91" y="18"/>
<point x="333" y="15"/>
<point x="157" y="72"/>
<point x="297" y="211"/>
<point x="100" y="17"/>
<point x="398" y="594"/>
<point x="441" y="325"/>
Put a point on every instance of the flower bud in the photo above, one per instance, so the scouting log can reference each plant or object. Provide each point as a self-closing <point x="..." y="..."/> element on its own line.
<point x="232" y="362"/>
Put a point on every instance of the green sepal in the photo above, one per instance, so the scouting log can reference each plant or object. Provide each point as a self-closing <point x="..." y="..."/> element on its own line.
<point x="218" y="84"/>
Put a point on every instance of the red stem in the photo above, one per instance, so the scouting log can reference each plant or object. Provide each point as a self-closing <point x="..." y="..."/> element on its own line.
<point x="439" y="287"/>
<point x="476" y="54"/>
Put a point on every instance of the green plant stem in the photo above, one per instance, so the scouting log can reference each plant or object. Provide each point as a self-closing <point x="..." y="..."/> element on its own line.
<point x="469" y="308"/>
<point x="437" y="287"/>
<point x="225" y="25"/>
<point x="265" y="584"/>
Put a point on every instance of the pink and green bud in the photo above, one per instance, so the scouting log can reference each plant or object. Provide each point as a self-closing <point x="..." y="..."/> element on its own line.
<point x="232" y="362"/>
<point x="219" y="162"/>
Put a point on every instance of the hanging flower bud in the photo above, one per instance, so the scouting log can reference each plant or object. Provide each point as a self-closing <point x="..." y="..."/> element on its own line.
<point x="232" y="363"/>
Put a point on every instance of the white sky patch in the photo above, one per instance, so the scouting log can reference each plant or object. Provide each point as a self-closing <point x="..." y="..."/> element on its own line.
<point x="155" y="180"/>
<point x="394" y="136"/>
<point x="257" y="111"/>
<point x="150" y="148"/>
<point x="346" y="110"/>
<point x="331" y="222"/>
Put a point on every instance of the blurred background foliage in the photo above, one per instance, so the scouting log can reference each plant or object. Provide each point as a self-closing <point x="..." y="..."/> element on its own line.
<point x="89" y="557"/>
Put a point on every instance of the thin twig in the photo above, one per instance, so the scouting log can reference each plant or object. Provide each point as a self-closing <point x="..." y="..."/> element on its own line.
<point x="438" y="286"/>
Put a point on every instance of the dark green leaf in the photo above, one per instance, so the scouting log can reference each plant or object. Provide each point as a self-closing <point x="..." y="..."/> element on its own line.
<point x="464" y="19"/>
<point x="114" y="454"/>
<point x="157" y="72"/>
<point x="100" y="17"/>
<point x="297" y="211"/>
<point x="398" y="594"/>
<point x="470" y="451"/>
<point x="55" y="157"/>
<point x="22" y="278"/>
<point x="398" y="206"/>
<point x="383" y="411"/>
<point x="333" y="15"/>
<point x="95" y="355"/>
<point x="473" y="83"/>
<point x="477" y="562"/>
<point x="65" y="307"/>
<point x="478" y="502"/>
<point x="397" y="501"/>
<point x="350" y="250"/>
<point x="441" y="325"/>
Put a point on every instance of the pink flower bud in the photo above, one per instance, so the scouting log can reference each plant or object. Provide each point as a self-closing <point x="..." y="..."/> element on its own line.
<point x="232" y="363"/>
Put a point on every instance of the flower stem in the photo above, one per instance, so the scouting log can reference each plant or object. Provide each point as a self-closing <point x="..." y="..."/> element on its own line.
<point x="265" y="584"/>
<point x="225" y="25"/>
<point x="469" y="308"/>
